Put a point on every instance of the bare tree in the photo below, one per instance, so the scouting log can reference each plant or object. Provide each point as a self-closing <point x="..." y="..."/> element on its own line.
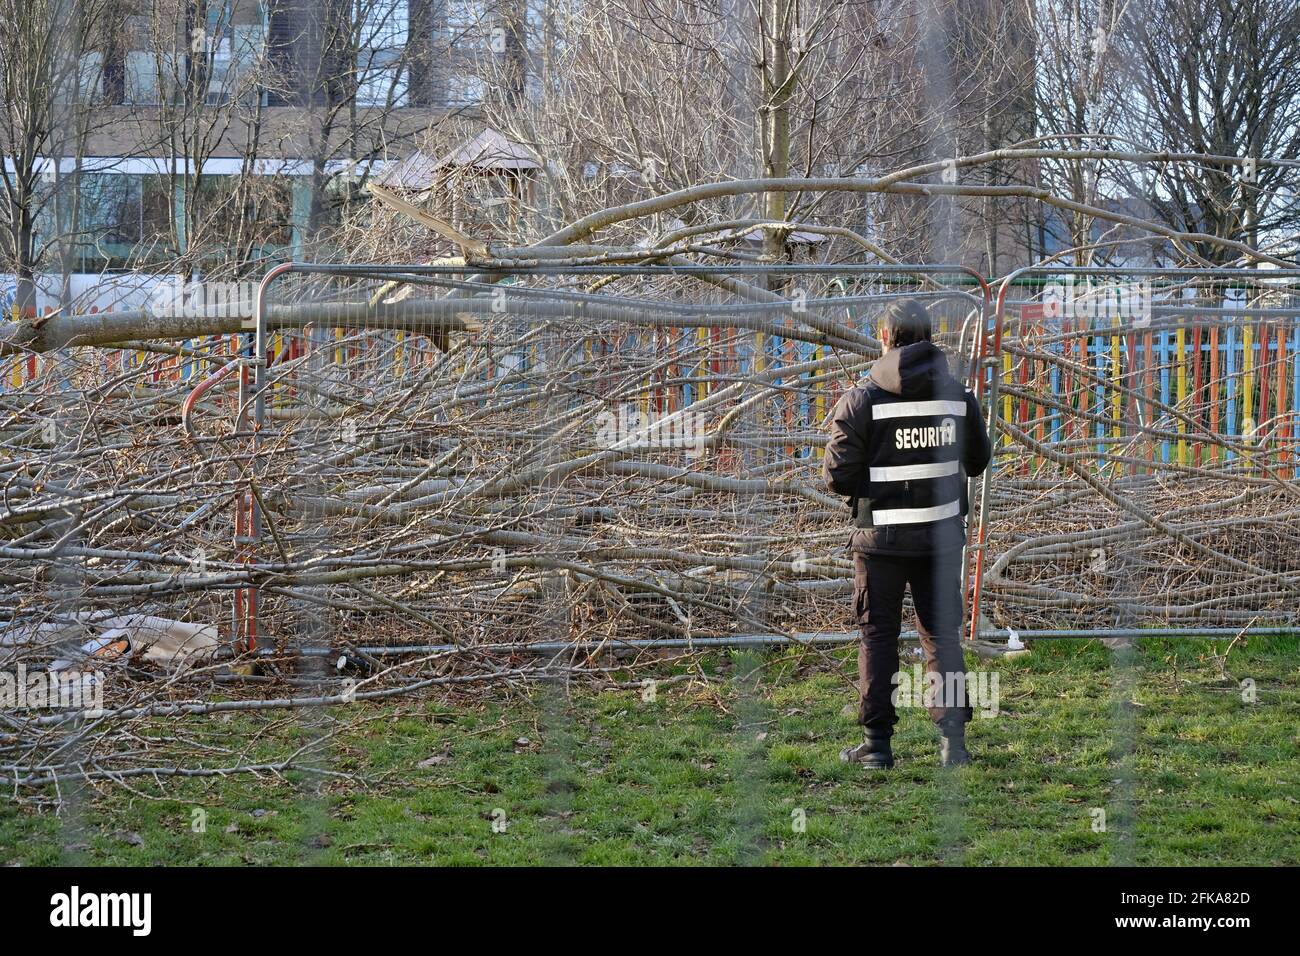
<point x="1217" y="77"/>
<point x="351" y="70"/>
<point x="1079" y="94"/>
<point x="48" y="82"/>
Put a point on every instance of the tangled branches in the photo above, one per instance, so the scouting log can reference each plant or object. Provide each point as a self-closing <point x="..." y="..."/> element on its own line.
<point x="576" y="474"/>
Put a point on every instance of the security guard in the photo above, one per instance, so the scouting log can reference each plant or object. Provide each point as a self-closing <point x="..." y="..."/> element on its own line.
<point x="902" y="445"/>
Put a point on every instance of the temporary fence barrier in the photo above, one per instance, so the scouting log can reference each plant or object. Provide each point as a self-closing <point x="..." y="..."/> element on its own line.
<point x="613" y="455"/>
<point x="1169" y="399"/>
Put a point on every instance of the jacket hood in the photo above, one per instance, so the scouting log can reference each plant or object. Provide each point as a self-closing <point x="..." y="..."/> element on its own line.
<point x="919" y="370"/>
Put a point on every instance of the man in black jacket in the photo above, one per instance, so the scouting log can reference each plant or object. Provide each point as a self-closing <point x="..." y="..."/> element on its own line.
<point x="902" y="445"/>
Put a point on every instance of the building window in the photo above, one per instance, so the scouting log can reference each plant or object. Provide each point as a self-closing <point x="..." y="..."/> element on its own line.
<point x="234" y="52"/>
<point x="381" y="63"/>
<point x="112" y="213"/>
<point x="151" y="77"/>
<point x="466" y="36"/>
<point x="467" y="21"/>
<point x="227" y="53"/>
<point x="121" y="219"/>
<point x="465" y="89"/>
<point x="85" y="84"/>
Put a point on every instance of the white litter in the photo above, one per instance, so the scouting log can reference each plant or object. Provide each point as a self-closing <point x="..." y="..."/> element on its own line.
<point x="170" y="644"/>
<point x="101" y="638"/>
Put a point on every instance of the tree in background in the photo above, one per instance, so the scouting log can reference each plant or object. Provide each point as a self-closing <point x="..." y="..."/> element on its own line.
<point x="1216" y="77"/>
<point x="49" y="84"/>
<point x="1078" y="97"/>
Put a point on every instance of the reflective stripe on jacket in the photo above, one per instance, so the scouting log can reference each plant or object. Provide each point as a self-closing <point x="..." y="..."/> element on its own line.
<point x="905" y="441"/>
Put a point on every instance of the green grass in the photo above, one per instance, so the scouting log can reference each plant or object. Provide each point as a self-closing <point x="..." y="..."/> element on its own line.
<point x="1185" y="771"/>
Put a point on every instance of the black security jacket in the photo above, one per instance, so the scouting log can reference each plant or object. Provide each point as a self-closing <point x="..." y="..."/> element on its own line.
<point x="902" y="445"/>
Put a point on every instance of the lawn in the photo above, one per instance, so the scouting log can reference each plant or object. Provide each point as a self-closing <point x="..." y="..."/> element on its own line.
<point x="741" y="768"/>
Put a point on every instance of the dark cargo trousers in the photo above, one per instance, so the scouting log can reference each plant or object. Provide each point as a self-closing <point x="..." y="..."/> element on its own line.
<point x="879" y="581"/>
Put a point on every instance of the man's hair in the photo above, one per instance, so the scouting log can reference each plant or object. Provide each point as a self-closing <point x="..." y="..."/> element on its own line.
<point x="908" y="321"/>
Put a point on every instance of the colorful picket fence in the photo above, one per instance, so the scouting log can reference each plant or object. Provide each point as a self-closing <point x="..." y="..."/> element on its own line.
<point x="1198" y="392"/>
<point x="1206" y="391"/>
<point x="187" y="361"/>
<point x="689" y="365"/>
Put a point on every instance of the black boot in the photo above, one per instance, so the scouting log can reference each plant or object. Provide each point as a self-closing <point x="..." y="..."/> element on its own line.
<point x="873" y="753"/>
<point x="952" y="747"/>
